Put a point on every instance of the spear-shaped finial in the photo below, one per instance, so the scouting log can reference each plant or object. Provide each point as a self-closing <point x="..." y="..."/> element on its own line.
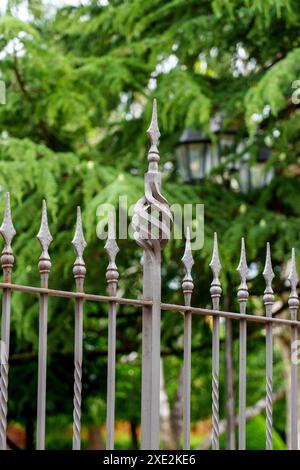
<point x="79" y="244"/>
<point x="215" y="289"/>
<point x="112" y="250"/>
<point x="7" y="229"/>
<point x="268" y="274"/>
<point x="8" y="232"/>
<point x="44" y="236"/>
<point x="293" y="278"/>
<point x="242" y="269"/>
<point x="188" y="262"/>
<point x="154" y="134"/>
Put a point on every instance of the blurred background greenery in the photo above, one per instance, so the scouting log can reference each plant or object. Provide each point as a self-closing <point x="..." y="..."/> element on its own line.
<point x="80" y="78"/>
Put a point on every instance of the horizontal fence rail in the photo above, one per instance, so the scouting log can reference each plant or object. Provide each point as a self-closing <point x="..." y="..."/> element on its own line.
<point x="152" y="244"/>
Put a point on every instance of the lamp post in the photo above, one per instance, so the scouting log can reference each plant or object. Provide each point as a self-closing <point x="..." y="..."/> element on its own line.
<point x="197" y="155"/>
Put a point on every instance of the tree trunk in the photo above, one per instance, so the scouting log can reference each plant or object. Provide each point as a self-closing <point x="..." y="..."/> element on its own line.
<point x="177" y="411"/>
<point x="251" y="412"/>
<point x="95" y="438"/>
<point x="29" y="434"/>
<point x="165" y="415"/>
<point x="134" y="435"/>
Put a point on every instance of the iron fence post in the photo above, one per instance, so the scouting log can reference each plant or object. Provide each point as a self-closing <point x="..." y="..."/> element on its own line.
<point x="112" y="277"/>
<point x="215" y="292"/>
<point x="151" y="222"/>
<point x="293" y="305"/>
<point x="187" y="287"/>
<point x="8" y="232"/>
<point x="45" y="238"/>
<point x="243" y="295"/>
<point x="268" y="299"/>
<point x="79" y="272"/>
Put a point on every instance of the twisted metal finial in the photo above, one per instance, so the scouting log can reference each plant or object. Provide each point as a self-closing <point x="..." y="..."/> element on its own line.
<point x="112" y="250"/>
<point x="242" y="269"/>
<point x="152" y="219"/>
<point x="215" y="265"/>
<point x="79" y="244"/>
<point x="188" y="263"/>
<point x="45" y="238"/>
<point x="293" y="278"/>
<point x="268" y="274"/>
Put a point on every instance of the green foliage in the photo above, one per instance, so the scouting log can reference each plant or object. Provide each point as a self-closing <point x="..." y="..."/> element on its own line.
<point x="80" y="81"/>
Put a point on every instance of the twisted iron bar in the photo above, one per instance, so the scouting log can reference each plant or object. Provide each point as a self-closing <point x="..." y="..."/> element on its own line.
<point x="215" y="291"/>
<point x="268" y="299"/>
<point x="269" y="411"/>
<point x="79" y="271"/>
<point x="77" y="404"/>
<point x="3" y="404"/>
<point x="8" y="232"/>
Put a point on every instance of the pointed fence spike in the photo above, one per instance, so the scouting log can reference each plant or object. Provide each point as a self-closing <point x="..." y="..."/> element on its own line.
<point x="215" y="265"/>
<point x="7" y="228"/>
<point x="268" y="272"/>
<point x="111" y="246"/>
<point x="78" y="241"/>
<point x="44" y="236"/>
<point x="242" y="269"/>
<point x="79" y="244"/>
<point x="188" y="262"/>
<point x="293" y="275"/>
<point x="293" y="278"/>
<point x="153" y="129"/>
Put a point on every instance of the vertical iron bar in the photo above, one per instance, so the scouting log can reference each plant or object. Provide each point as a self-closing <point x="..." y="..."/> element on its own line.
<point x="242" y="384"/>
<point x="293" y="305"/>
<point x="79" y="272"/>
<point x="268" y="299"/>
<point x="187" y="287"/>
<point x="152" y="222"/>
<point x="112" y="277"/>
<point x="229" y="372"/>
<point x="243" y="295"/>
<point x="45" y="239"/>
<point x="215" y="292"/>
<point x="7" y="231"/>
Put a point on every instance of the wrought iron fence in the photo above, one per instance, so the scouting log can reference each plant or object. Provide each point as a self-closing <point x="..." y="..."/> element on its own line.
<point x="152" y="223"/>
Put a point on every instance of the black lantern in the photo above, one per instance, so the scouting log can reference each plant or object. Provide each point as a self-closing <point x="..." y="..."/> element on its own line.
<point x="197" y="155"/>
<point x="254" y="176"/>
